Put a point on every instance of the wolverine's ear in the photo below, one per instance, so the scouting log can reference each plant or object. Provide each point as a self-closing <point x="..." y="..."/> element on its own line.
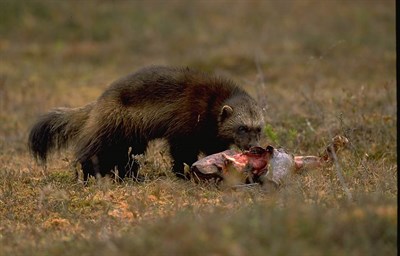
<point x="226" y="112"/>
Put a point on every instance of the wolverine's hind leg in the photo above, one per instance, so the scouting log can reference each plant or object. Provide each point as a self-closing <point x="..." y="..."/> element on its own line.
<point x="182" y="152"/>
<point x="87" y="169"/>
<point x="116" y="161"/>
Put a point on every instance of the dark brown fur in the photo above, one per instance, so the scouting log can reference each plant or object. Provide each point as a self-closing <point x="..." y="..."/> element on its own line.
<point x="193" y="111"/>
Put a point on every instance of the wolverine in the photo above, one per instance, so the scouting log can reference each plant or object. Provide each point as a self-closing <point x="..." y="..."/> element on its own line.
<point x="194" y="111"/>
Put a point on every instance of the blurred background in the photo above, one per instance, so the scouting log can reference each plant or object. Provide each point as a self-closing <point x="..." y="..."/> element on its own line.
<point x="285" y="53"/>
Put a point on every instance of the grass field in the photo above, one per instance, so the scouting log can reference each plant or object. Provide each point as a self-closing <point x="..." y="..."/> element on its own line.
<point x="319" y="68"/>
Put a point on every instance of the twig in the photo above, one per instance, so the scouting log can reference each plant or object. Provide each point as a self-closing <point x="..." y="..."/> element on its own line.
<point x="339" y="171"/>
<point x="245" y="185"/>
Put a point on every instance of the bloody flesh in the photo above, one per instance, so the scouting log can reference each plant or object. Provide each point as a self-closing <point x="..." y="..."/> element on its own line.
<point x="269" y="163"/>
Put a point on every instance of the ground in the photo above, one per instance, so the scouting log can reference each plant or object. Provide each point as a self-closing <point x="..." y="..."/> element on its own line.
<point x="319" y="69"/>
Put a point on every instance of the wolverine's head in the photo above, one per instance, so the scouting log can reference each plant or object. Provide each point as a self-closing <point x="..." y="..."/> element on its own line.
<point x="241" y="121"/>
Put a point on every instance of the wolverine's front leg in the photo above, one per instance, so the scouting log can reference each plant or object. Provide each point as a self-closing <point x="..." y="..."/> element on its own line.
<point x="182" y="152"/>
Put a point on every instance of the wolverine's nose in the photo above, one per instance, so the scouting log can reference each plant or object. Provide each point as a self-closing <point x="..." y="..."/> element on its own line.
<point x="254" y="144"/>
<point x="248" y="146"/>
<point x="245" y="146"/>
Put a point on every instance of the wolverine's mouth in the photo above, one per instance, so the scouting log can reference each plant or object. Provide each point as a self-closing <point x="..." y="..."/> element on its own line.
<point x="243" y="148"/>
<point x="247" y="147"/>
<point x="238" y="148"/>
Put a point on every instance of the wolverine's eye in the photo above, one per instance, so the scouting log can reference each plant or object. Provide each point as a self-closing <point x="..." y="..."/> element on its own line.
<point x="242" y="129"/>
<point x="258" y="129"/>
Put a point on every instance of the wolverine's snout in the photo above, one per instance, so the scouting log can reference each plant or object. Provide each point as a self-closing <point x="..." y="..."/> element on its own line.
<point x="247" y="143"/>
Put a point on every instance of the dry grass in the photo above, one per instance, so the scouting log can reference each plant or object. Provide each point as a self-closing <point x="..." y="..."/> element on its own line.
<point x="319" y="69"/>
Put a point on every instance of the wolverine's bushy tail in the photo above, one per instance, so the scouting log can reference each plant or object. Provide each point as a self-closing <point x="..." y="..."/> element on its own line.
<point x="56" y="129"/>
